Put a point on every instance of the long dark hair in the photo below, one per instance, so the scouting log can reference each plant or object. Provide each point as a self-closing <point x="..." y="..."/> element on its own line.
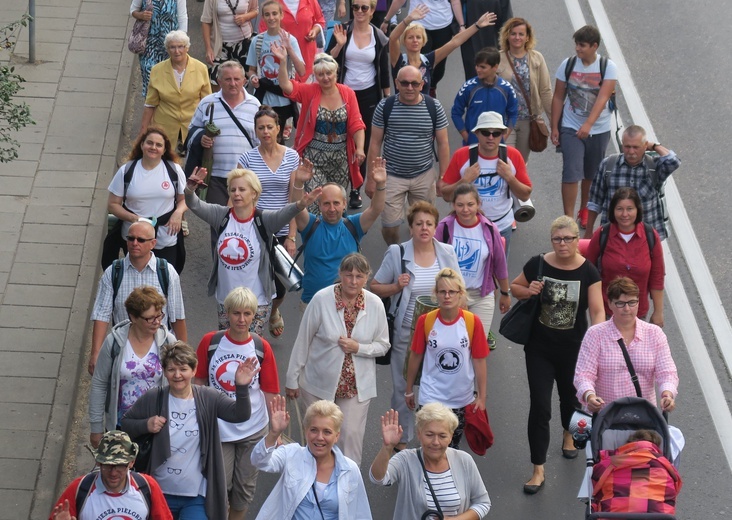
<point x="136" y="152"/>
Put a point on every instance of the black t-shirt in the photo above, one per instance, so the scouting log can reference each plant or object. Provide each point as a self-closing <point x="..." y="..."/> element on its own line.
<point x="562" y="319"/>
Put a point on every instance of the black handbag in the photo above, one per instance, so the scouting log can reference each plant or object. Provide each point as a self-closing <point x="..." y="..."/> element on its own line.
<point x="518" y="322"/>
<point x="145" y="441"/>
<point x="391" y="316"/>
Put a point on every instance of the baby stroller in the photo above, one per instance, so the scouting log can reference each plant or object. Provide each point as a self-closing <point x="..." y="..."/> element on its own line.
<point x="610" y="430"/>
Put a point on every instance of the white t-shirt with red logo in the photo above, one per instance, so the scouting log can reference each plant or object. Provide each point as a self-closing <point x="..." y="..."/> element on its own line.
<point x="102" y="505"/>
<point x="150" y="194"/>
<point x="238" y="251"/>
<point x="495" y="196"/>
<point x="448" y="376"/>
<point x="220" y="374"/>
<point x="472" y="253"/>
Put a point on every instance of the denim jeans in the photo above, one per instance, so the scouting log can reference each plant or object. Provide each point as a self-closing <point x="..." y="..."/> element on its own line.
<point x="187" y="508"/>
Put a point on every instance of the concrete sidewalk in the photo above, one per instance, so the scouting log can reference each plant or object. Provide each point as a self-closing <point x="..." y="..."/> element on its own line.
<point x="52" y="213"/>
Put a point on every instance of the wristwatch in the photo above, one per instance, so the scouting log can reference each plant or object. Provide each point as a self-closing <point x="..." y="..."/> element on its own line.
<point x="505" y="293"/>
<point x="655" y="145"/>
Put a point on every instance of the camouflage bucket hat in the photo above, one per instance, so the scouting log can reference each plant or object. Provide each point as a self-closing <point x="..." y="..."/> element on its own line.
<point x="116" y="447"/>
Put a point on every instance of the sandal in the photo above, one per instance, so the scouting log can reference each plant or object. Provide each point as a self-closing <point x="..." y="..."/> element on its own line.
<point x="276" y="322"/>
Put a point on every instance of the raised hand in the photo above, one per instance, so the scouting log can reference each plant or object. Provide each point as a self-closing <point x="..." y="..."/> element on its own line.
<point x="339" y="33"/>
<point x="378" y="172"/>
<point x="391" y="432"/>
<point x="304" y="171"/>
<point x="418" y="13"/>
<point x="279" y="51"/>
<point x="246" y="371"/>
<point x="487" y="19"/>
<point x="279" y="417"/>
<point x="61" y="512"/>
<point x="312" y="196"/>
<point x="197" y="176"/>
<point x="285" y="40"/>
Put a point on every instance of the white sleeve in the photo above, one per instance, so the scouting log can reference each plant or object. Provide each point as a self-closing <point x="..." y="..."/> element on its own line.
<point x="182" y="16"/>
<point x="611" y="72"/>
<point x="181" y="179"/>
<point x="117" y="186"/>
<point x="136" y="6"/>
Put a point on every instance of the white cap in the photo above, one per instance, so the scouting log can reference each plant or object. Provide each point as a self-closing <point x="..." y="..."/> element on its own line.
<point x="490" y="120"/>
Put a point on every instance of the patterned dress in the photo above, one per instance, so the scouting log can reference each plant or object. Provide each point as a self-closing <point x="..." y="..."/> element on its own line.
<point x="164" y="20"/>
<point x="327" y="150"/>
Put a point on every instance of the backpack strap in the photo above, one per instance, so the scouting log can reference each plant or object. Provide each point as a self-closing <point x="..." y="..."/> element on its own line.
<point x="352" y="229"/>
<point x="431" y="317"/>
<point x="473" y="155"/>
<point x="163" y="275"/>
<point x="216" y="339"/>
<point x="569" y="67"/>
<point x="650" y="237"/>
<point x="614" y="160"/>
<point x="266" y="237"/>
<point x="84" y="490"/>
<point x="432" y="109"/>
<point x="224" y="223"/>
<point x="128" y="177"/>
<point x="429" y="321"/>
<point x="388" y="107"/>
<point x="306" y="238"/>
<point x="469" y="318"/>
<point x="144" y="487"/>
<point x="604" y="234"/>
<point x="117" y="275"/>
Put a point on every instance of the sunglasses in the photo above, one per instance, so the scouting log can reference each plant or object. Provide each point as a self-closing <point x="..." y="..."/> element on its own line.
<point x="362" y="8"/>
<point x="413" y="84"/>
<point x="138" y="239"/>
<point x="494" y="133"/>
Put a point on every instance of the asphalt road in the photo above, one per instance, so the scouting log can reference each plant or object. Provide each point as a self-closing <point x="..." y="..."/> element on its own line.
<point x="672" y="49"/>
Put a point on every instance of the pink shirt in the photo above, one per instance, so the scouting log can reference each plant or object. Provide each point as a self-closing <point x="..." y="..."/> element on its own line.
<point x="602" y="368"/>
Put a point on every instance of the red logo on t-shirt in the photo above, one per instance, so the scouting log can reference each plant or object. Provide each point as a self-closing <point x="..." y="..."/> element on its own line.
<point x="225" y="375"/>
<point x="233" y="251"/>
<point x="165" y="185"/>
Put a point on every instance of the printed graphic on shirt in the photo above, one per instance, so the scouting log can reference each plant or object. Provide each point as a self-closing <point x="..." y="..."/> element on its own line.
<point x="165" y="185"/>
<point x="559" y="303"/>
<point x="120" y="513"/>
<point x="490" y="185"/>
<point x="448" y="360"/>
<point x="468" y="253"/>
<point x="269" y="65"/>
<point x="235" y="252"/>
<point x="223" y="371"/>
<point x="583" y="88"/>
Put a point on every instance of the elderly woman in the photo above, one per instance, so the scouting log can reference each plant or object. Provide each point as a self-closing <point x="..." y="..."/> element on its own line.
<point x="331" y="131"/>
<point x="422" y="257"/>
<point x="462" y="493"/>
<point x="627" y="252"/>
<point x="149" y="185"/>
<point x="226" y="27"/>
<point x="602" y="374"/>
<point x="175" y="89"/>
<point x="341" y="333"/>
<point x="569" y="285"/>
<point x="528" y="74"/>
<point x="245" y="236"/>
<point x="164" y="16"/>
<point x="186" y="457"/>
<point x="129" y="362"/>
<point x="317" y="480"/>
<point x="453" y="369"/>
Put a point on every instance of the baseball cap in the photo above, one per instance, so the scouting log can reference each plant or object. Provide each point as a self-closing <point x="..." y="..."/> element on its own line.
<point x="490" y="120"/>
<point x="116" y="447"/>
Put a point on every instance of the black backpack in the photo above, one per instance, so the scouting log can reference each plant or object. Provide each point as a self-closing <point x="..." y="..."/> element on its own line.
<point x="216" y="339"/>
<point x="84" y="490"/>
<point x="605" y="233"/>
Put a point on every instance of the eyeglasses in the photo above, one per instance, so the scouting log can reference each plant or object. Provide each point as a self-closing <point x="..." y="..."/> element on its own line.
<point x="413" y="84"/>
<point x="566" y="240"/>
<point x="153" y="319"/>
<point x="493" y="133"/>
<point x="138" y="239"/>
<point x="444" y="293"/>
<point x="362" y="8"/>
<point x="620" y="303"/>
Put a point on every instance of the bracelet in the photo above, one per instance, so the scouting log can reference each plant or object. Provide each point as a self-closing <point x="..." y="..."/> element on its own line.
<point x="380" y="189"/>
<point x="298" y="187"/>
<point x="505" y="293"/>
<point x="291" y="238"/>
<point x="411" y="394"/>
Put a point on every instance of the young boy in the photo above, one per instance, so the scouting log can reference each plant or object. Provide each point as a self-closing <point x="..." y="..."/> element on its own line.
<point x="580" y="104"/>
<point x="484" y="93"/>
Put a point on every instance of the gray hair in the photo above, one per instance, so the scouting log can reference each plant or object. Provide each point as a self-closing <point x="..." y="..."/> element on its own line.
<point x="177" y="36"/>
<point x="231" y="64"/>
<point x="635" y="131"/>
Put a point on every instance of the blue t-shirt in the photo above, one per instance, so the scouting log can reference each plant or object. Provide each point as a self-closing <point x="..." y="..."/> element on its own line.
<point x="268" y="65"/>
<point x="582" y="90"/>
<point x="324" y="251"/>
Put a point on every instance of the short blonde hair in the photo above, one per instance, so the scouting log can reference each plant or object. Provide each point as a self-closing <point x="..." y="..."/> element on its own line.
<point x="326" y="409"/>
<point x="240" y="298"/>
<point x="452" y="277"/>
<point x="324" y="63"/>
<point x="564" y="222"/>
<point x="436" y="412"/>
<point x="414" y="27"/>
<point x="249" y="176"/>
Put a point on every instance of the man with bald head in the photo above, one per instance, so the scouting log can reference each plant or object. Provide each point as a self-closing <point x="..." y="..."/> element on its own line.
<point x="138" y="267"/>
<point x="404" y="129"/>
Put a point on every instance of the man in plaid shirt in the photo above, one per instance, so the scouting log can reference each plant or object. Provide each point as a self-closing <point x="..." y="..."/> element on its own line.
<point x="629" y="169"/>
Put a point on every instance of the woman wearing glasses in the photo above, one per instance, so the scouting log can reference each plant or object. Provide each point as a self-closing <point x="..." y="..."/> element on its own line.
<point x="186" y="458"/>
<point x="129" y="362"/>
<point x="602" y="375"/>
<point x="361" y="51"/>
<point x="569" y="285"/>
<point x="454" y="372"/>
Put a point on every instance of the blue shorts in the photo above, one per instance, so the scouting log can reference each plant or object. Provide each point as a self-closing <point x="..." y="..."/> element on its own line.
<point x="581" y="157"/>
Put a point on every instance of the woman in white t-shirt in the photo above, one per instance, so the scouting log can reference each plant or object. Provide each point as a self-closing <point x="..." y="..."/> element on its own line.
<point x="451" y="342"/>
<point x="149" y="185"/>
<point x="481" y="255"/>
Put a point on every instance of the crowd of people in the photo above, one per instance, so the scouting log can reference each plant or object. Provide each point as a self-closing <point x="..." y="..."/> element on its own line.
<point x="200" y="423"/>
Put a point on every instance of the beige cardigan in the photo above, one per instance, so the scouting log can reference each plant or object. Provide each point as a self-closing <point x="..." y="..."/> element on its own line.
<point x="540" y="82"/>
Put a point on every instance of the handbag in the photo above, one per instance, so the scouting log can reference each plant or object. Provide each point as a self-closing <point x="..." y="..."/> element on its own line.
<point x="391" y="316"/>
<point x="430" y="514"/>
<point x="145" y="441"/>
<point x="137" y="40"/>
<point x="538" y="132"/>
<point x="518" y="322"/>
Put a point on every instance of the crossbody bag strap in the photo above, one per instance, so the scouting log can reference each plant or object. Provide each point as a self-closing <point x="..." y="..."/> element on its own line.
<point x="633" y="375"/>
<point x="404" y="270"/>
<point x="519" y="83"/>
<point x="317" y="502"/>
<point x="429" y="484"/>
<point x="237" y="123"/>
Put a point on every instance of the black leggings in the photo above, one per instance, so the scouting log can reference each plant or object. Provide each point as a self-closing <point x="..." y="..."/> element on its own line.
<point x="542" y="370"/>
<point x="436" y="39"/>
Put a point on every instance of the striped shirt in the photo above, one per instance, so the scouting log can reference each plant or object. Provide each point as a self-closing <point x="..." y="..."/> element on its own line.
<point x="231" y="143"/>
<point x="104" y="308"/>
<point x="424" y="283"/>
<point x="408" y="142"/>
<point x="447" y="495"/>
<point x="275" y="185"/>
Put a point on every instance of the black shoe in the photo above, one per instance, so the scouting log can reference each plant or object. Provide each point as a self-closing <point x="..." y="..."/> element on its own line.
<point x="530" y="489"/>
<point x="355" y="201"/>
<point x="569" y="454"/>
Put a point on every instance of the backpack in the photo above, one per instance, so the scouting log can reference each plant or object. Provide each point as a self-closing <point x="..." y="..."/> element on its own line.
<point x="431" y="108"/>
<point x="502" y="155"/>
<point x="118" y="273"/>
<point x="349" y="225"/>
<point x="650" y="164"/>
<point x="267" y="237"/>
<point x="84" y="490"/>
<point x="612" y="104"/>
<point x="605" y="232"/>
<point x="216" y="339"/>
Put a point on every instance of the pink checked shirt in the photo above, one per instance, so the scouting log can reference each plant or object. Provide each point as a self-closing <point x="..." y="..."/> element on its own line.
<point x="602" y="368"/>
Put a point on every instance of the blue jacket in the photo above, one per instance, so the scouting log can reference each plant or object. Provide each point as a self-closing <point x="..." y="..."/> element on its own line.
<point x="475" y="98"/>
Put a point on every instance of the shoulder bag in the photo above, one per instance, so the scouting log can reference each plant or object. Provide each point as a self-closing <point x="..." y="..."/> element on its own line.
<point x="430" y="514"/>
<point x="145" y="441"/>
<point x="518" y="322"/>
<point x="137" y="40"/>
<point x="391" y="316"/>
<point x="538" y="132"/>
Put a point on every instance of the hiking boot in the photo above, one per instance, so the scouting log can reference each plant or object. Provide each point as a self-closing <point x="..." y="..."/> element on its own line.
<point x="491" y="340"/>
<point x="582" y="217"/>
<point x="354" y="201"/>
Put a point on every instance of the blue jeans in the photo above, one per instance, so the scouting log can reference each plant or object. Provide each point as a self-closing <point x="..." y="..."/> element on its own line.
<point x="506" y="234"/>
<point x="187" y="508"/>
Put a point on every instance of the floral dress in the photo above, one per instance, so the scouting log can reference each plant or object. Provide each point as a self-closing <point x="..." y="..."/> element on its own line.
<point x="164" y="20"/>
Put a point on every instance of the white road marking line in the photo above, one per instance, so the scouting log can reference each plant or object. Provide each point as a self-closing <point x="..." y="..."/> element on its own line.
<point x="708" y="381"/>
